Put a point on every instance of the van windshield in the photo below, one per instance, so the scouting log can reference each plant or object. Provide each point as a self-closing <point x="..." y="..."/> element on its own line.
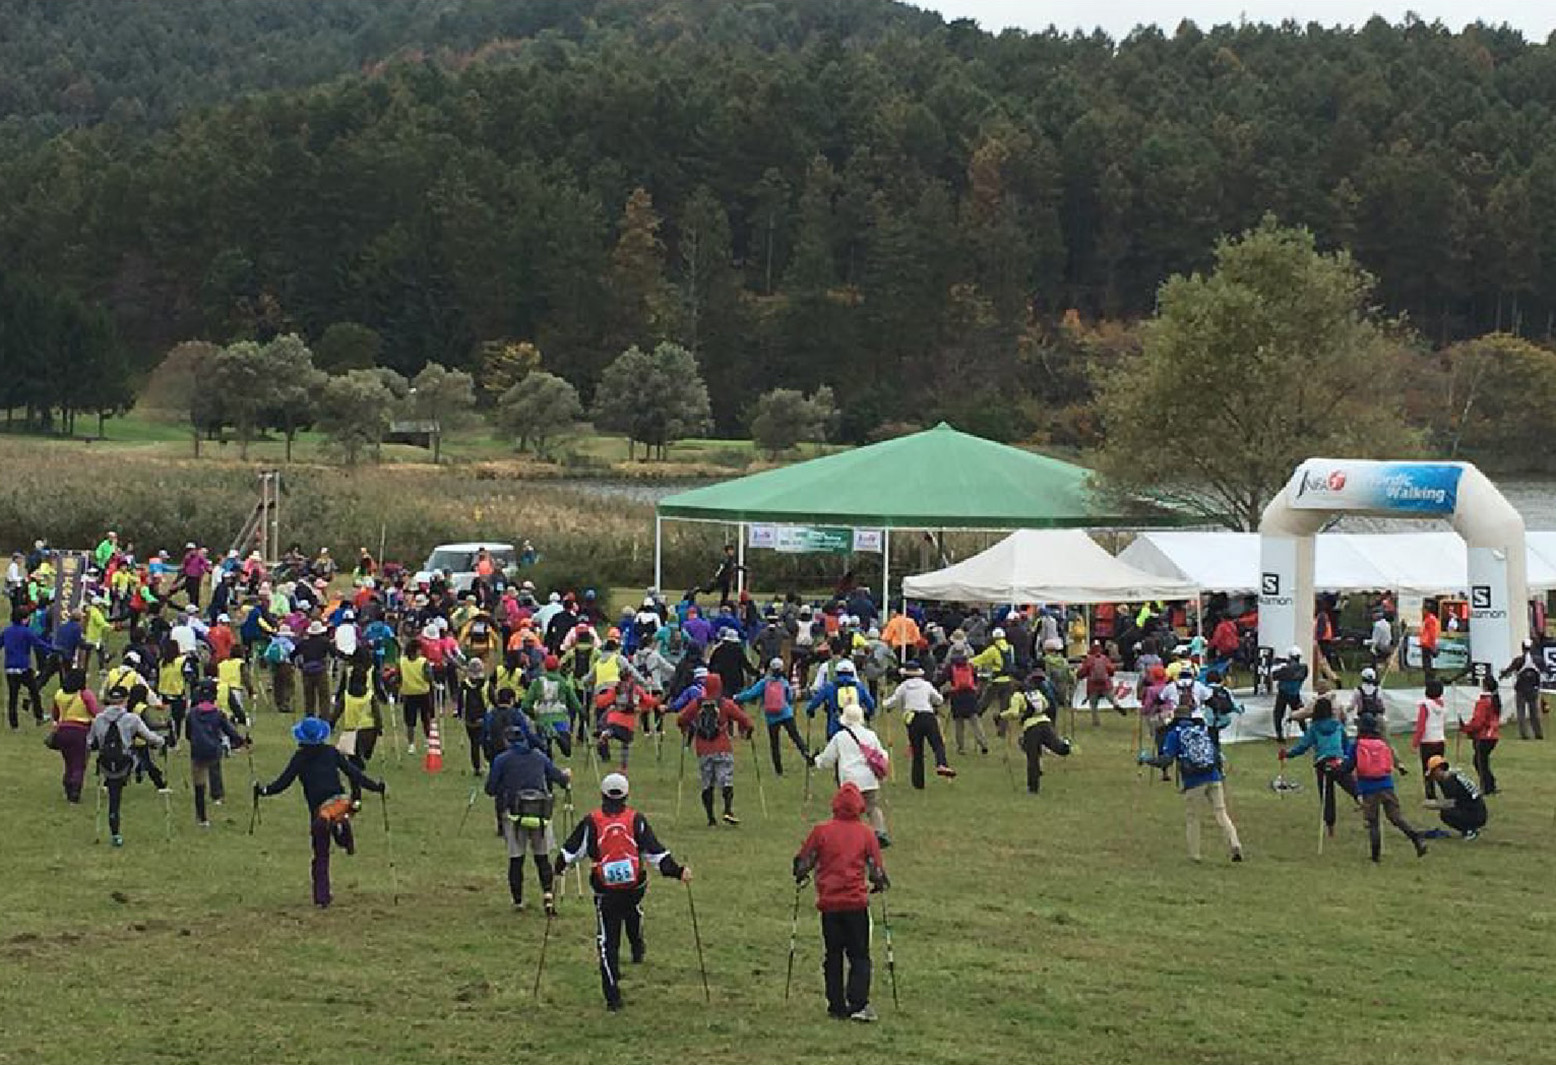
<point x="451" y="561"/>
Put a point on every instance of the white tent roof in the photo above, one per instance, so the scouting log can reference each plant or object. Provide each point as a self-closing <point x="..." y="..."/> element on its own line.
<point x="1418" y="563"/>
<point x="1045" y="566"/>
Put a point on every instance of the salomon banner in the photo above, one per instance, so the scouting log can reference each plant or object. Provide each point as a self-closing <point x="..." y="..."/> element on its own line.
<point x="1417" y="488"/>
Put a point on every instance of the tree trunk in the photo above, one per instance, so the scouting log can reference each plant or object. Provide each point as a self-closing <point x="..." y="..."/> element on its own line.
<point x="289" y="434"/>
<point x="102" y="433"/>
<point x="196" y="437"/>
<point x="437" y="448"/>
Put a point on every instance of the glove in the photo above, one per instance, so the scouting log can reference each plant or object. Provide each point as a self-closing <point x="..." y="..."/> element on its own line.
<point x="559" y="867"/>
<point x="801" y="879"/>
<point x="383" y="787"/>
<point x="879" y="884"/>
<point x="258" y="790"/>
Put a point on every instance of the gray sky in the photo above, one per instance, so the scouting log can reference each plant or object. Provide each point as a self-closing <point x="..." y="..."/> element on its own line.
<point x="1536" y="18"/>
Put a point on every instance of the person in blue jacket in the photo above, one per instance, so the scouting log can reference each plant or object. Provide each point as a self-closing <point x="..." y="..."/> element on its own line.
<point x="777" y="699"/>
<point x="20" y="641"/>
<point x="1188" y="743"/>
<point x="1325" y="737"/>
<point x="520" y="781"/>
<point x="842" y="690"/>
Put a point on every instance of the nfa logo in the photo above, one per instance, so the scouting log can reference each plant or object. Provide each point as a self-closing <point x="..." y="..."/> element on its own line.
<point x="1480" y="597"/>
<point x="1271" y="584"/>
<point x="1317" y="482"/>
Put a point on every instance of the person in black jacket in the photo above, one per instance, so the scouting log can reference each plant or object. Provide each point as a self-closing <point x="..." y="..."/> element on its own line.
<point x="621" y="846"/>
<point x="520" y="780"/>
<point x="319" y="766"/>
<point x="211" y="735"/>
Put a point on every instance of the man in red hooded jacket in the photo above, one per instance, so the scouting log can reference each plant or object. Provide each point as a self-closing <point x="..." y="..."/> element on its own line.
<point x="844" y="853"/>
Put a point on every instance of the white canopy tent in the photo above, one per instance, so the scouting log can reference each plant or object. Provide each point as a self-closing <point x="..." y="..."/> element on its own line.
<point x="1046" y="566"/>
<point x="1415" y="563"/>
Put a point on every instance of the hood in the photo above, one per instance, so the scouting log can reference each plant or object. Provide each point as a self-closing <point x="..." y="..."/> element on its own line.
<point x="712" y="686"/>
<point x="848" y="803"/>
<point x="1327" y="726"/>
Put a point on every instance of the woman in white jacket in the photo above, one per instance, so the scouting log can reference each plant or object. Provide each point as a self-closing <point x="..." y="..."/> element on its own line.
<point x="845" y="752"/>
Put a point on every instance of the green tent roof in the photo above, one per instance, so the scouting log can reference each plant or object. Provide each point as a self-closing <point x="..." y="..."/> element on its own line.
<point x="936" y="479"/>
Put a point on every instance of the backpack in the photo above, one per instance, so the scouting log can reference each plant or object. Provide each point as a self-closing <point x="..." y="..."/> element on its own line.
<point x="274" y="654"/>
<point x="847" y="695"/>
<point x="1371" y="703"/>
<point x="963" y="679"/>
<point x="1007" y="661"/>
<point x="1374" y="759"/>
<point x="706" y="727"/>
<point x="1197" y="753"/>
<point x="1221" y="702"/>
<point x="873" y="756"/>
<point x="113" y="758"/>
<point x="581" y="663"/>
<point x="774" y="699"/>
<point x="550" y="701"/>
<point x="619" y="865"/>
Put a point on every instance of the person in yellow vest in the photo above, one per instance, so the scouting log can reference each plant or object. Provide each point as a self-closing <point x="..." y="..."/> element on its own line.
<point x="95" y="635"/>
<point x="509" y="676"/>
<point x="415" y="693"/>
<point x="358" y="704"/>
<point x="74" y="708"/>
<point x="232" y="689"/>
<point x="610" y="665"/>
<point x="998" y="662"/>
<point x="174" y="674"/>
<point x="479" y="638"/>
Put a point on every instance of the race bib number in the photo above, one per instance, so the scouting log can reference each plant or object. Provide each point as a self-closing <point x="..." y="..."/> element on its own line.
<point x="616" y="873"/>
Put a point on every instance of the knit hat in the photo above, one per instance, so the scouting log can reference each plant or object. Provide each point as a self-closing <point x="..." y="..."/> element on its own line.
<point x="311" y="731"/>
<point x="550" y="662"/>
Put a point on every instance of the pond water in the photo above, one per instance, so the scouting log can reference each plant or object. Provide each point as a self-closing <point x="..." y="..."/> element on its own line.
<point x="1535" y="498"/>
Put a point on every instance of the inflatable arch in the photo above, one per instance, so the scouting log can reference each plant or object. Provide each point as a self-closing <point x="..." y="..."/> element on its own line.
<point x="1320" y="489"/>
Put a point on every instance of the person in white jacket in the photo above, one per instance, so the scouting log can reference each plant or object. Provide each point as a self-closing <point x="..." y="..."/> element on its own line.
<point x="845" y="753"/>
<point x="918" y="701"/>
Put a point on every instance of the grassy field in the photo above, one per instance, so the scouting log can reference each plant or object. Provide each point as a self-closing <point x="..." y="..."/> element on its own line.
<point x="1069" y="927"/>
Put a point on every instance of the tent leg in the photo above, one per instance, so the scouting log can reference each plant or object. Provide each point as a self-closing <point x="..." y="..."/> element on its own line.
<point x="740" y="560"/>
<point x="659" y="533"/>
<point x="886" y="579"/>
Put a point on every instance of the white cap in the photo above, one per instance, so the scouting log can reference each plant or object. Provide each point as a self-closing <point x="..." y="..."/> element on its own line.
<point x="997" y="634"/>
<point x="553" y="598"/>
<point x="614" y="786"/>
<point x="846" y="666"/>
<point x="776" y="664"/>
<point x="223" y="619"/>
<point x="191" y="609"/>
<point x="1369" y="675"/>
<point x="1295" y="652"/>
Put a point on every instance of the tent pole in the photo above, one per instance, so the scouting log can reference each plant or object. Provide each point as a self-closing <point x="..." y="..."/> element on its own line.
<point x="659" y="532"/>
<point x="740" y="559"/>
<point x="1199" y="615"/>
<point x="886" y="576"/>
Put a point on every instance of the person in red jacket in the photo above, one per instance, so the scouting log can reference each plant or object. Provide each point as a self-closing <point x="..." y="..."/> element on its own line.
<point x="844" y="852"/>
<point x="1484" y="730"/>
<point x="707" y="721"/>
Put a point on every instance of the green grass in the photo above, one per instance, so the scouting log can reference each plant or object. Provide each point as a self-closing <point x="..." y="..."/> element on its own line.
<point x="1069" y="927"/>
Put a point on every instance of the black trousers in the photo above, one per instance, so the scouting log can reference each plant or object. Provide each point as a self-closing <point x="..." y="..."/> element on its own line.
<point x="846" y="932"/>
<point x="924" y="728"/>
<point x="1463" y="820"/>
<point x="14" y="682"/>
<point x="1488" y="779"/>
<point x="614" y="910"/>
<point x="774" y="729"/>
<point x="1033" y="740"/>
<point x="1329" y="775"/>
<point x="1284" y="703"/>
<point x="115" y="786"/>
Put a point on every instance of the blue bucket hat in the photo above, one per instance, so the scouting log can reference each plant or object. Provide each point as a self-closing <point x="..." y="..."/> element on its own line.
<point x="311" y="731"/>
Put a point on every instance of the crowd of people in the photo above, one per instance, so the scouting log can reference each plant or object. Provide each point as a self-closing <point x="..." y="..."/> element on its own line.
<point x="548" y="685"/>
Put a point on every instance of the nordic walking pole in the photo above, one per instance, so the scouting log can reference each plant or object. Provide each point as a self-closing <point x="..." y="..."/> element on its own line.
<point x="571" y="819"/>
<point x="540" y="967"/>
<point x="1325" y="795"/>
<point x="468" y="807"/>
<point x="697" y="938"/>
<point x="794" y="927"/>
<point x="756" y="764"/>
<point x="394" y="878"/>
<point x="891" y="957"/>
<point x="248" y="746"/>
<point x="254" y="812"/>
<point x="97" y="816"/>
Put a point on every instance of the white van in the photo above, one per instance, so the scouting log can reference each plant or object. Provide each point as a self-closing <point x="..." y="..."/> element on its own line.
<point x="457" y="561"/>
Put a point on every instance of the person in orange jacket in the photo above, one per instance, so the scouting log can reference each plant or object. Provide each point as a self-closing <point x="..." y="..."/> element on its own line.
<point x="1484" y="730"/>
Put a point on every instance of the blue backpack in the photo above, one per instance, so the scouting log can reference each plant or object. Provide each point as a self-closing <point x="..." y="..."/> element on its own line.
<point x="1197" y="754"/>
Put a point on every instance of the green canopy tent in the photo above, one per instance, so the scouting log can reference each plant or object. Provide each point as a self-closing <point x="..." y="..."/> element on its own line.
<point x="936" y="479"/>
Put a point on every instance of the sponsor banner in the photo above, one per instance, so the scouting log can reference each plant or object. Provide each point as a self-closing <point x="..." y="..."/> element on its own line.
<point x="1419" y="488"/>
<point x="1453" y="654"/>
<point x="801" y="539"/>
<point x="69" y="584"/>
<point x="869" y="540"/>
<point x="1123" y="691"/>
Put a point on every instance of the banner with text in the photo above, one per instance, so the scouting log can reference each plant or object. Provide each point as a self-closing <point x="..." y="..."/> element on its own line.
<point x="801" y="539"/>
<point x="1419" y="488"/>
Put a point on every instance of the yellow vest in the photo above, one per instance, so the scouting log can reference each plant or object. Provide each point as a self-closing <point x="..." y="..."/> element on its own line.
<point x="607" y="669"/>
<point x="357" y="713"/>
<point x="229" y="677"/>
<point x="71" y="707"/>
<point x="170" y="678"/>
<point x="415" y="676"/>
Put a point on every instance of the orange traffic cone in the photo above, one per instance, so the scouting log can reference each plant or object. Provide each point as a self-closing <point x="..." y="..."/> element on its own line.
<point x="434" y="760"/>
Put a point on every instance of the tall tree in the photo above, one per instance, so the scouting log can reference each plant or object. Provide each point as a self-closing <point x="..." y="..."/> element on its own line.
<point x="653" y="399"/>
<point x="642" y="304"/>
<point x="1247" y="371"/>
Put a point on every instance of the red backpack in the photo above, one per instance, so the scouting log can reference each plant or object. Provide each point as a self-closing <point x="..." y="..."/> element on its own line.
<point x="1374" y="759"/>
<point x="774" y="700"/>
<point x="963" y="679"/>
<point x="619" y="866"/>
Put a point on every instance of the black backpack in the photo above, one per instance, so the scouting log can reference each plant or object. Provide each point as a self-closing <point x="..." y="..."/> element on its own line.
<point x="706" y="726"/>
<point x="113" y="758"/>
<point x="1371" y="703"/>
